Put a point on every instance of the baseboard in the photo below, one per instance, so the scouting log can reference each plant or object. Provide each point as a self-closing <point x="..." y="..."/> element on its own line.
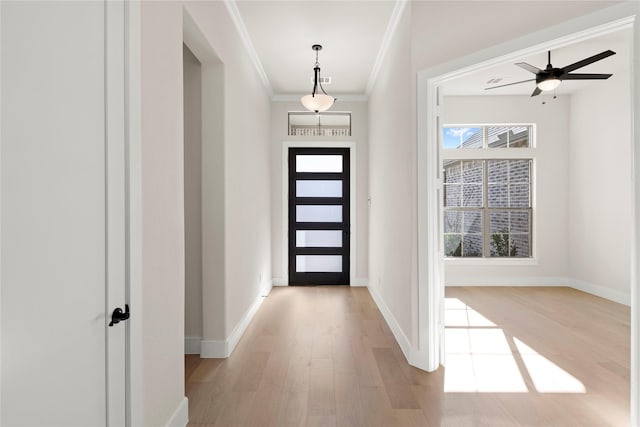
<point x="220" y="349"/>
<point x="242" y="326"/>
<point x="214" y="349"/>
<point x="581" y="285"/>
<point x="399" y="335"/>
<point x="280" y="281"/>
<point x="192" y="345"/>
<point x="180" y="417"/>
<point x="602" y="292"/>
<point x="509" y="281"/>
<point x="360" y="282"/>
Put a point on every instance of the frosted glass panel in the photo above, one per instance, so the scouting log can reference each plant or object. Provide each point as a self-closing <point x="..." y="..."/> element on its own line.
<point x="318" y="163"/>
<point x="319" y="263"/>
<point x="319" y="213"/>
<point x="318" y="238"/>
<point x="318" y="188"/>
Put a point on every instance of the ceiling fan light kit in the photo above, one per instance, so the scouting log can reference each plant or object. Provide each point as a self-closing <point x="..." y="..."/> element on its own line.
<point x="317" y="101"/>
<point x="551" y="77"/>
<point x="549" y="84"/>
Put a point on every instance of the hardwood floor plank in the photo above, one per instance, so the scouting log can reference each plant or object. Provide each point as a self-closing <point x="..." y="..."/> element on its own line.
<point x="293" y="408"/>
<point x="251" y="372"/>
<point x="376" y="407"/>
<point x="321" y="400"/>
<point x="321" y="421"/>
<point x="395" y="383"/>
<point x="349" y="411"/>
<point x="204" y="370"/>
<point x="235" y="408"/>
<point x="265" y="407"/>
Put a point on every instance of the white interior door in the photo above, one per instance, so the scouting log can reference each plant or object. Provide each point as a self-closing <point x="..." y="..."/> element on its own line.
<point x="62" y="214"/>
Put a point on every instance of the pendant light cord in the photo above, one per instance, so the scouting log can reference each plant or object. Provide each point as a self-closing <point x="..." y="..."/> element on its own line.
<point x="316" y="78"/>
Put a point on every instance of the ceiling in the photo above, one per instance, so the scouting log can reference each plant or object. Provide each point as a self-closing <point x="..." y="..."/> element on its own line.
<point x="351" y="33"/>
<point x="280" y="33"/>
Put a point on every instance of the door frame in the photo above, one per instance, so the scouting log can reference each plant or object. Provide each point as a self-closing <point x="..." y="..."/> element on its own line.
<point x="352" y="201"/>
<point x="430" y="351"/>
<point x="117" y="358"/>
<point x="133" y="212"/>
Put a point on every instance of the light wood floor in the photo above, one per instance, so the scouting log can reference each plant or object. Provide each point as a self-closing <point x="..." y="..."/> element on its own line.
<point x="324" y="356"/>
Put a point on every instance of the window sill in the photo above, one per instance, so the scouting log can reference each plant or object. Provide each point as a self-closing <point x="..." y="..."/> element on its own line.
<point x="501" y="262"/>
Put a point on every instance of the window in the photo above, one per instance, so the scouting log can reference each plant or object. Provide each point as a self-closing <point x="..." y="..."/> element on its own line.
<point x="487" y="191"/>
<point x="328" y="123"/>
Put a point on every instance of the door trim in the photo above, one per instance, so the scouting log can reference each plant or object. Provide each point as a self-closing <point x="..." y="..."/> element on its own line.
<point x="285" y="201"/>
<point x="116" y="210"/>
<point x="133" y="214"/>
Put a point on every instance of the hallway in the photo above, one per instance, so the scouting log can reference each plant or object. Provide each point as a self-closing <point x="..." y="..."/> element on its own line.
<point x="324" y="356"/>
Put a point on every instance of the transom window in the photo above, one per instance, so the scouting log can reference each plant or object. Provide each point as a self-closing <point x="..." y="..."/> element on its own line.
<point x="488" y="193"/>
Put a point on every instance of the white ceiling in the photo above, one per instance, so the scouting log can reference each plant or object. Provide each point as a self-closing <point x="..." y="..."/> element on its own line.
<point x="351" y="33"/>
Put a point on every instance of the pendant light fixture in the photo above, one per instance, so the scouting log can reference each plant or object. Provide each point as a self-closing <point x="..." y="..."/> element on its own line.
<point x="317" y="101"/>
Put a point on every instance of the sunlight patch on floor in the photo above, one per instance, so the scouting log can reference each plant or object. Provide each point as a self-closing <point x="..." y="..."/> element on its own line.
<point x="481" y="358"/>
<point x="458" y="313"/>
<point x="547" y="377"/>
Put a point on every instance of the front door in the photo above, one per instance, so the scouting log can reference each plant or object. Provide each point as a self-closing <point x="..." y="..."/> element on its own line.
<point x="319" y="227"/>
<point x="62" y="234"/>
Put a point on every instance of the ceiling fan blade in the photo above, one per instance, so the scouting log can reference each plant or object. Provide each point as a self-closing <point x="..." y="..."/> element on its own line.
<point x="529" y="67"/>
<point x="537" y="91"/>
<point x="587" y="61"/>
<point x="580" y="76"/>
<point x="510" y="84"/>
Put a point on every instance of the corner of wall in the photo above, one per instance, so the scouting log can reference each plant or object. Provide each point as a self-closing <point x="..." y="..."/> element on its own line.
<point x="360" y="282"/>
<point x="219" y="349"/>
<point x="398" y="333"/>
<point x="279" y="281"/>
<point x="601" y="291"/>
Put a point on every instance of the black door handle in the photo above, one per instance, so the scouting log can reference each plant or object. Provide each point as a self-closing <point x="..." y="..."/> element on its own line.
<point x="119" y="316"/>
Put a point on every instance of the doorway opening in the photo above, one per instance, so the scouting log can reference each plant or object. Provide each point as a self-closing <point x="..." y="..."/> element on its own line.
<point x="192" y="110"/>
<point x="204" y="194"/>
<point x="432" y="267"/>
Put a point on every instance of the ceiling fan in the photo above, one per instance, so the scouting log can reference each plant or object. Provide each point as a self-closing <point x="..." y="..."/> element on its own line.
<point x="550" y="78"/>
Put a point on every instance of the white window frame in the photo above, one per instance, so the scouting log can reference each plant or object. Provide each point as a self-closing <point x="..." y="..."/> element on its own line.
<point x="487" y="153"/>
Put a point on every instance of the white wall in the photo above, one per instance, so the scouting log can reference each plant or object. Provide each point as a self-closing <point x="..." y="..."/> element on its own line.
<point x="600" y="186"/>
<point x="163" y="212"/>
<point x="359" y="135"/>
<point x="392" y="183"/>
<point x="551" y="176"/>
<point x="246" y="180"/>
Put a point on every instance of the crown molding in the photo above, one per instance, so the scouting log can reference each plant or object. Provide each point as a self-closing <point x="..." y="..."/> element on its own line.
<point x="238" y="22"/>
<point x="392" y="27"/>
<point x="280" y="97"/>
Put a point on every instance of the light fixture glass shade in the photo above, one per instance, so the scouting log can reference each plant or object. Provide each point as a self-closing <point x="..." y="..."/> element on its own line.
<point x="549" y="84"/>
<point x="318" y="102"/>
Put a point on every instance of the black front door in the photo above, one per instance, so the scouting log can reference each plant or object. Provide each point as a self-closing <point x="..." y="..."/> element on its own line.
<point x="319" y="216"/>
